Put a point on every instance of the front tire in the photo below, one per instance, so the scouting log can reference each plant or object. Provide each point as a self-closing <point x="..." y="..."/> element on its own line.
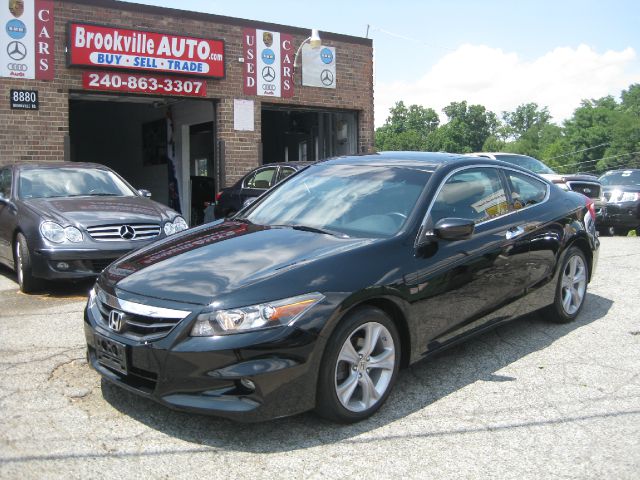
<point x="22" y="262"/>
<point x="359" y="367"/>
<point x="571" y="289"/>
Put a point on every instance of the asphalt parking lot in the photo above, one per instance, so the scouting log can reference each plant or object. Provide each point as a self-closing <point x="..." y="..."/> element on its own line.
<point x="528" y="400"/>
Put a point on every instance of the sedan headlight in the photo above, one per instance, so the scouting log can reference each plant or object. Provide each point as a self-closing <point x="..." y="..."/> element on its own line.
<point x="629" y="197"/>
<point x="254" y="317"/>
<point x="52" y="232"/>
<point x="179" y="224"/>
<point x="57" y="234"/>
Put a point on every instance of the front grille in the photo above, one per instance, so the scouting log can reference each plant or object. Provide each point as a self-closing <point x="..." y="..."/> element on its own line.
<point x="140" y="322"/>
<point x="590" y="189"/>
<point x="124" y="232"/>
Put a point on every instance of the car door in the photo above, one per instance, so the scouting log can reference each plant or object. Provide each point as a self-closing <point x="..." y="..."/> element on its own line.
<point x="459" y="286"/>
<point x="258" y="182"/>
<point x="7" y="215"/>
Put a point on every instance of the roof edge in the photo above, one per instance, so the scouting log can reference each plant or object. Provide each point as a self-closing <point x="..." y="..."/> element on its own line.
<point x="239" y="22"/>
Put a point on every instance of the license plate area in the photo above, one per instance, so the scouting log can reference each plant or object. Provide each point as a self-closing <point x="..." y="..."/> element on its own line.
<point x="111" y="354"/>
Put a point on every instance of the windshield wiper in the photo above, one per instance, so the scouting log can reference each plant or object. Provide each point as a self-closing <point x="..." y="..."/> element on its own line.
<point x="307" y="228"/>
<point x="102" y="194"/>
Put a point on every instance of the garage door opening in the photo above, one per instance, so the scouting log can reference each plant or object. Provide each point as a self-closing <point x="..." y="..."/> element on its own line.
<point x="156" y="144"/>
<point x="290" y="135"/>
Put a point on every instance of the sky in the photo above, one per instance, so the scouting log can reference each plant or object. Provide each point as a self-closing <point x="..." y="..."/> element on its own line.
<point x="496" y="53"/>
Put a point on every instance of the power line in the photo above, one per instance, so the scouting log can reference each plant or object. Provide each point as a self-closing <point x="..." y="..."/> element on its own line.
<point x="579" y="151"/>
<point x="597" y="159"/>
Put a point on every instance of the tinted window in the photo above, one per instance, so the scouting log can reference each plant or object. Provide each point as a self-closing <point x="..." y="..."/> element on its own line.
<point x="5" y="183"/>
<point x="526" y="190"/>
<point x="359" y="201"/>
<point x="530" y="163"/>
<point x="285" y="172"/>
<point x="626" y="178"/>
<point x="261" y="179"/>
<point x="476" y="194"/>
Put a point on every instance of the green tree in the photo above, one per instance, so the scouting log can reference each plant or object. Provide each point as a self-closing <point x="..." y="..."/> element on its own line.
<point x="467" y="130"/>
<point x="524" y="120"/>
<point x="406" y="128"/>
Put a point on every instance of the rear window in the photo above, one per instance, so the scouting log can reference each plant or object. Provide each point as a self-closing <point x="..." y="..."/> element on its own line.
<point x="530" y="163"/>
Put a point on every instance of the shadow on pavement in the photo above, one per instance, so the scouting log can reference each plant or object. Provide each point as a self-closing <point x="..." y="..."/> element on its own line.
<point x="417" y="387"/>
<point x="53" y="289"/>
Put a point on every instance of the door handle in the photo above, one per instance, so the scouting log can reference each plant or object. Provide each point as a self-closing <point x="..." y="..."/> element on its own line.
<point x="514" y="232"/>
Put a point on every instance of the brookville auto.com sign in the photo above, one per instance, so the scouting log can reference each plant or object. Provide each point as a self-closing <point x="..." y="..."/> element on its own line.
<point x="111" y="47"/>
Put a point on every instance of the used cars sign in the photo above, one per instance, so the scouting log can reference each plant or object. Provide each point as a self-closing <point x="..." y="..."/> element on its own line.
<point x="102" y="46"/>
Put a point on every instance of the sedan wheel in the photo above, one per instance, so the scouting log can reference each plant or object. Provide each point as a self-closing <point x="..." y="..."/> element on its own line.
<point x="572" y="287"/>
<point x="363" y="365"/>
<point x="22" y="262"/>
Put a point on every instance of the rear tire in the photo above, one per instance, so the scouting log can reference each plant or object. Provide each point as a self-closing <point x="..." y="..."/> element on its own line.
<point x="22" y="263"/>
<point x="571" y="289"/>
<point x="359" y="367"/>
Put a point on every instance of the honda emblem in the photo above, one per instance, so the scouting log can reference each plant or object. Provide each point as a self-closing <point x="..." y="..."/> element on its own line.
<point x="116" y="320"/>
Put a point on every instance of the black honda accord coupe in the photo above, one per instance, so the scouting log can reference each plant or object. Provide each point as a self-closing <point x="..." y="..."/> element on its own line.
<point x="315" y="295"/>
<point x="68" y="220"/>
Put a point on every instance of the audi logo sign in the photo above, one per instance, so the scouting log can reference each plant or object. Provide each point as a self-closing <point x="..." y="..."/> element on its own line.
<point x="17" y="67"/>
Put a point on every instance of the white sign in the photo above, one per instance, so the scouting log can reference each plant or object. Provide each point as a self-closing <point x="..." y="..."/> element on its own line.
<point x="319" y="66"/>
<point x="243" y="115"/>
<point x="26" y="39"/>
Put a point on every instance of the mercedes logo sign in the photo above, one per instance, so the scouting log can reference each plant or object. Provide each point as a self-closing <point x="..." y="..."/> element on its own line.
<point x="16" y="50"/>
<point x="326" y="77"/>
<point x="269" y="74"/>
<point x="127" y="232"/>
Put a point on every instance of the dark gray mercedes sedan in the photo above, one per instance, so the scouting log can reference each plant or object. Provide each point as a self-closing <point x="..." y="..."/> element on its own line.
<point x="69" y="220"/>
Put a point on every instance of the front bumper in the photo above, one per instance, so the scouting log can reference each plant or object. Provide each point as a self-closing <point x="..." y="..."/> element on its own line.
<point x="622" y="214"/>
<point x="209" y="374"/>
<point x="48" y="261"/>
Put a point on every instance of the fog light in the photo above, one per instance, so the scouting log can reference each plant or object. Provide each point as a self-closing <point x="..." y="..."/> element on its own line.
<point x="62" y="266"/>
<point x="248" y="384"/>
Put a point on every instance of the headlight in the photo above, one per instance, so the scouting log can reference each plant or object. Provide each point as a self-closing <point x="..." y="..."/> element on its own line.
<point x="629" y="196"/>
<point x="254" y="317"/>
<point x="169" y="228"/>
<point x="73" y="234"/>
<point x="179" y="224"/>
<point x="52" y="232"/>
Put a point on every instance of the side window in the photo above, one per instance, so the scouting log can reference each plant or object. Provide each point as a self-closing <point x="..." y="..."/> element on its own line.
<point x="525" y="190"/>
<point x="285" y="172"/>
<point x="5" y="183"/>
<point x="262" y="179"/>
<point x="474" y="194"/>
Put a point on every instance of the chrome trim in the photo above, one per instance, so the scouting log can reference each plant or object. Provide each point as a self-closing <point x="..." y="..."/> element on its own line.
<point x="423" y="224"/>
<point x="138" y="308"/>
<point x="112" y="233"/>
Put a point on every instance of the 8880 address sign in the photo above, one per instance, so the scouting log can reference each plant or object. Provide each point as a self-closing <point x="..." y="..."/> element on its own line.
<point x="131" y="82"/>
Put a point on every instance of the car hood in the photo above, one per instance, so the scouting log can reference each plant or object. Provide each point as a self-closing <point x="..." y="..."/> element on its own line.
<point x="200" y="265"/>
<point x="95" y="210"/>
<point x="622" y="188"/>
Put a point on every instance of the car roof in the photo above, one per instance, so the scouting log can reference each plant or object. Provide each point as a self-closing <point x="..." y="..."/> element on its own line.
<point x="427" y="161"/>
<point x="285" y="164"/>
<point x="29" y="166"/>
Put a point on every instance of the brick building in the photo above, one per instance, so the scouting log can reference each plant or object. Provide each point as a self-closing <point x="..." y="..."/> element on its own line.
<point x="141" y="88"/>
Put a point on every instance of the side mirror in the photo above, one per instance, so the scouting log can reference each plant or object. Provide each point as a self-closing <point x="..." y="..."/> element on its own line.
<point x="454" y="228"/>
<point x="144" y="193"/>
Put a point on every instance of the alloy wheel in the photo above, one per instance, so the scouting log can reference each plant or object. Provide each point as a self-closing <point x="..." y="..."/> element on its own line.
<point x="574" y="284"/>
<point x="19" y="265"/>
<point x="365" y="367"/>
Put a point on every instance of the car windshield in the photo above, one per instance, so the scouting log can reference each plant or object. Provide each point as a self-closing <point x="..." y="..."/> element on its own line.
<point x="347" y="200"/>
<point x="70" y="182"/>
<point x="530" y="163"/>
<point x="626" y="178"/>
